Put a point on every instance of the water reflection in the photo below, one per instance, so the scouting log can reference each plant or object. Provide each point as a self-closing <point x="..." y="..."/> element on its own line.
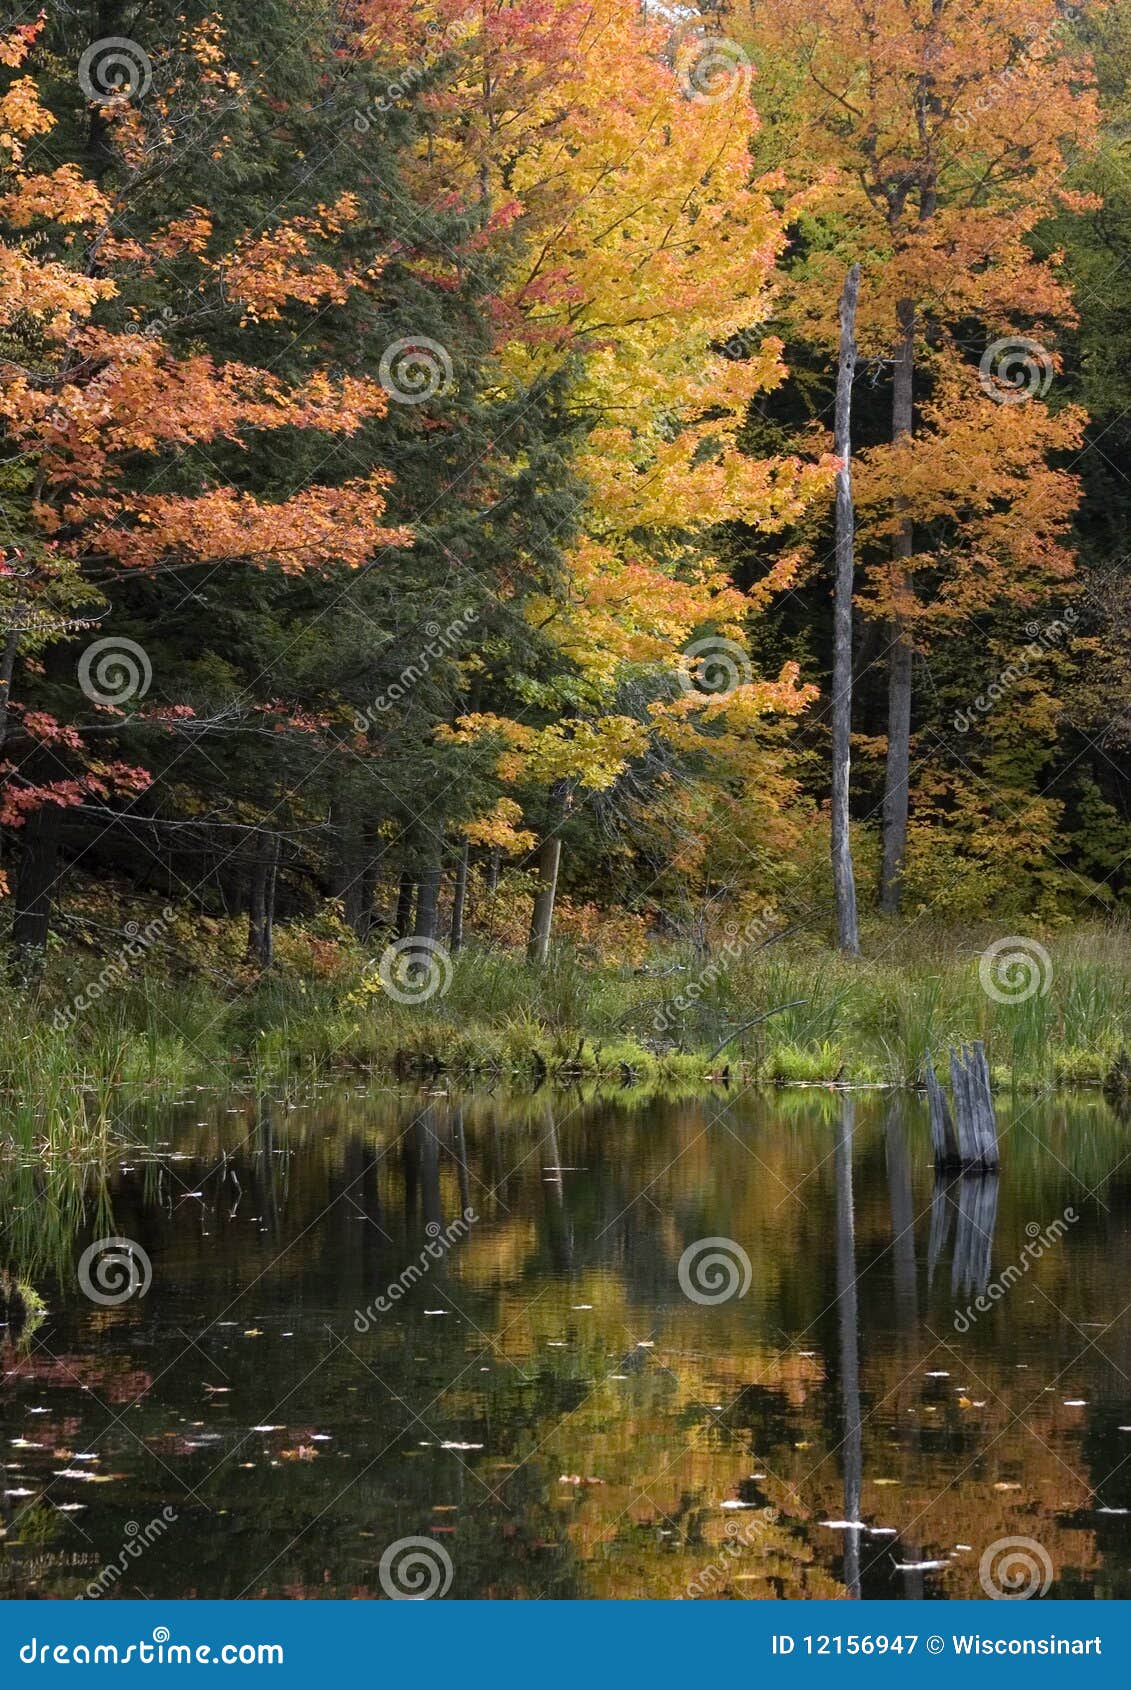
<point x="537" y="1391"/>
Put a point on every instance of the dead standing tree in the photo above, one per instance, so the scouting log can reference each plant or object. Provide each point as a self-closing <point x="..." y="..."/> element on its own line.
<point x="844" y="880"/>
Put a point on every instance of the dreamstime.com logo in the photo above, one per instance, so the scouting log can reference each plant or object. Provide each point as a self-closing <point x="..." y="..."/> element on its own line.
<point x="735" y="944"/>
<point x="112" y="1270"/>
<point x="715" y="666"/>
<point x="1013" y="1569"/>
<point x="415" y="1569"/>
<point x="161" y="1652"/>
<point x="1042" y="641"/>
<point x="116" y="971"/>
<point x="416" y="369"/>
<point x="441" y="641"/>
<point x="1040" y="1239"/>
<point x="1015" y="969"/>
<point x="441" y="1241"/>
<point x="114" y="70"/>
<point x="414" y="970"/>
<point x="709" y="68"/>
<point x="713" y="1270"/>
<point x="742" y="1535"/>
<point x="137" y="1540"/>
<point x="112" y="671"/>
<point x="1014" y="370"/>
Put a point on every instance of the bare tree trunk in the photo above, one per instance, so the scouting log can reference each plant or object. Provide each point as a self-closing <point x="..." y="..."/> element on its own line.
<point x="493" y="869"/>
<point x="844" y="880"/>
<point x="403" y="918"/>
<point x="898" y="772"/>
<point x="542" y="921"/>
<point x="261" y="902"/>
<point x="7" y="667"/>
<point x="35" y="885"/>
<point x="428" y="895"/>
<point x="459" y="900"/>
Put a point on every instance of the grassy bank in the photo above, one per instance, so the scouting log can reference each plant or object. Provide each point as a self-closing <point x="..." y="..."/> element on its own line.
<point x="1058" y="1018"/>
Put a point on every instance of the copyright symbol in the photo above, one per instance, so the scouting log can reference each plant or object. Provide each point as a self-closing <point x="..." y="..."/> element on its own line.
<point x="935" y="1645"/>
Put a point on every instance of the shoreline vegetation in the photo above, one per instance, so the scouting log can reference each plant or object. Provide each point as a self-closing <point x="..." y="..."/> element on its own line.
<point x="1057" y="1014"/>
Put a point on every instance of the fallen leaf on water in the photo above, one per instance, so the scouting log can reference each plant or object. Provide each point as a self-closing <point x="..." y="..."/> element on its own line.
<point x="253" y="1332"/>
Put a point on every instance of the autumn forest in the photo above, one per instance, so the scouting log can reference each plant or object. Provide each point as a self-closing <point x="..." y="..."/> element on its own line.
<point x="419" y="470"/>
<point x="565" y="800"/>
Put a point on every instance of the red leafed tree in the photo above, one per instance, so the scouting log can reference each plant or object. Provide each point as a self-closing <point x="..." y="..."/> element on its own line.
<point x="96" y="405"/>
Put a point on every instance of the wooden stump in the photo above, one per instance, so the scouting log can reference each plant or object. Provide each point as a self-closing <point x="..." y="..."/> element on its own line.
<point x="966" y="1140"/>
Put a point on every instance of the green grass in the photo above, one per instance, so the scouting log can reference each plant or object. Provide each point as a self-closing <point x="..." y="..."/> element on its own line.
<point x="869" y="1021"/>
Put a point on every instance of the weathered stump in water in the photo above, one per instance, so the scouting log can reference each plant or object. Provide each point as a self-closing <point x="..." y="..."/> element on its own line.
<point x="966" y="1140"/>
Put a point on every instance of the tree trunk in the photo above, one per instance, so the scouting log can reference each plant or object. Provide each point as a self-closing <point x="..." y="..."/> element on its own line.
<point x="402" y="921"/>
<point x="428" y="896"/>
<point x="261" y="903"/>
<point x="898" y="772"/>
<point x="844" y="880"/>
<point x="7" y="668"/>
<point x="542" y="921"/>
<point x="35" y="885"/>
<point x="493" y="869"/>
<point x="459" y="900"/>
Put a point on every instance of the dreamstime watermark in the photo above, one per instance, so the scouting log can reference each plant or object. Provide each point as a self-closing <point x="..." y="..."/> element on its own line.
<point x="411" y="76"/>
<point x="1013" y="1569"/>
<point x="713" y="1270"/>
<point x="413" y="970"/>
<point x="114" y="70"/>
<point x="112" y="1270"/>
<point x="1033" y="54"/>
<point x="416" y="369"/>
<point x="715" y="666"/>
<point x="1014" y="370"/>
<point x="1040" y="1240"/>
<point x="734" y="946"/>
<point x="743" y="344"/>
<point x="441" y="641"/>
<point x="1015" y="969"/>
<point x="1042" y="640"/>
<point x="442" y="1239"/>
<point x="137" y="1540"/>
<point x="743" y="1535"/>
<point x="415" y="1569"/>
<point x="113" y="670"/>
<point x="709" y="68"/>
<point x="116" y="971"/>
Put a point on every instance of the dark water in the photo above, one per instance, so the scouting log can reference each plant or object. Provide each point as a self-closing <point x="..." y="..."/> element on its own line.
<point x="540" y="1400"/>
